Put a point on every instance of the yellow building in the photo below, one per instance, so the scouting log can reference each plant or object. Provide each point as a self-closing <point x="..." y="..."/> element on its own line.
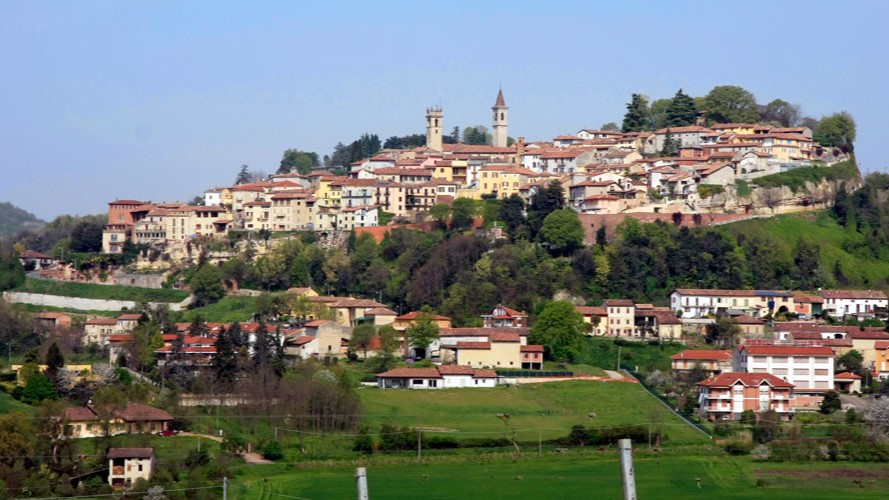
<point x="503" y="350"/>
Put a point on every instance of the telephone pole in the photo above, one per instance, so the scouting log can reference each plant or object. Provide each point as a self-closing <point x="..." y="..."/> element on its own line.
<point x="627" y="473"/>
<point x="361" y="479"/>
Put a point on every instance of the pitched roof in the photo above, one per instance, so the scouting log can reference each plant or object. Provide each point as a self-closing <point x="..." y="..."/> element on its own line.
<point x="591" y="310"/>
<point x="479" y="331"/>
<point x="846" y="376"/>
<point x="31" y="254"/>
<point x="504" y="337"/>
<point x="868" y="335"/>
<point x="473" y="345"/>
<point x="101" y="321"/>
<point x="777" y="350"/>
<point x="455" y="370"/>
<point x="733" y="293"/>
<point x="854" y="294"/>
<point x="704" y="354"/>
<point x="531" y="348"/>
<point x="129" y="317"/>
<point x="749" y="379"/>
<point x="410" y="373"/>
<point x="416" y="314"/>
<point x="618" y="303"/>
<point x="500" y="102"/>
<point x="130" y="452"/>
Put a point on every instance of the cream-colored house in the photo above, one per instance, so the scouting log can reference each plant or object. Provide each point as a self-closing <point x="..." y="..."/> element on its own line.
<point x="127" y="465"/>
<point x="97" y="330"/>
<point x="502" y="350"/>
<point x="134" y="418"/>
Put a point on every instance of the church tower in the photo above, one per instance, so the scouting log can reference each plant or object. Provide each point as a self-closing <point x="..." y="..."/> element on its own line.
<point x="501" y="113"/>
<point x="434" y="123"/>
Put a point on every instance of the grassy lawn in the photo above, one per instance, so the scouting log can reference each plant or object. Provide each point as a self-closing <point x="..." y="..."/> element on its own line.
<point x="603" y="353"/>
<point x="546" y="410"/>
<point x="8" y="404"/>
<point x="581" y="474"/>
<point x="108" y="292"/>
<point x="225" y="311"/>
<point x="33" y="308"/>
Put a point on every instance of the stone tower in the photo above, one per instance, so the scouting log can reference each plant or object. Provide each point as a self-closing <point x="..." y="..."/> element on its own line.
<point x="434" y="123"/>
<point x="501" y="115"/>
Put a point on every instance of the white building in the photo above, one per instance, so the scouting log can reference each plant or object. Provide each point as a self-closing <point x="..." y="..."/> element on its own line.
<point x="697" y="303"/>
<point x="809" y="369"/>
<point x="127" y="465"/>
<point x="860" y="304"/>
<point x="439" y="377"/>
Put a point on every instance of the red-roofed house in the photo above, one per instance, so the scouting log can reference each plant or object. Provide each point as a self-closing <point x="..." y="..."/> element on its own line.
<point x="439" y="377"/>
<point x="128" y="465"/>
<point x="860" y="304"/>
<point x="32" y="260"/>
<point x="134" y="418"/>
<point x="809" y="369"/>
<point x="847" y="382"/>
<point x="881" y="361"/>
<point x="727" y="395"/>
<point x="713" y="361"/>
<point x="504" y="317"/>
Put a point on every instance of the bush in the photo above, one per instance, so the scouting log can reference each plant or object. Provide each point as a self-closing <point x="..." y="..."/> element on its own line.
<point x="738" y="448"/>
<point x="272" y="451"/>
<point x="197" y="458"/>
<point x="363" y="443"/>
<point x="761" y="452"/>
<point x="440" y="443"/>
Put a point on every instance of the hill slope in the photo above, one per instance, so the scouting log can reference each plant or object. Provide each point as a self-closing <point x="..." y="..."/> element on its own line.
<point x="13" y="219"/>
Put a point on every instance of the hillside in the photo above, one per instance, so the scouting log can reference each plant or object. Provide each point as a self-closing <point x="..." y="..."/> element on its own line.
<point x="13" y="219"/>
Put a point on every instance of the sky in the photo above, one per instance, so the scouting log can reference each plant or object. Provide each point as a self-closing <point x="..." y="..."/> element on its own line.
<point x="161" y="100"/>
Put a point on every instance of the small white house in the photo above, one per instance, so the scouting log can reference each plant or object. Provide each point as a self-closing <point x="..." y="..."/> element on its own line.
<point x="127" y="465"/>
<point x="860" y="304"/>
<point x="439" y="377"/>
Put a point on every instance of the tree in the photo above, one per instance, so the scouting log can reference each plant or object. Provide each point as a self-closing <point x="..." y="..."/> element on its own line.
<point x="461" y="214"/>
<point x="243" y="175"/>
<point x="766" y="427"/>
<point x="636" y="117"/>
<point x="544" y="202"/>
<point x="12" y="274"/>
<point x="422" y="332"/>
<point x="671" y="145"/>
<point x="723" y="332"/>
<point x="611" y="126"/>
<point x="55" y="362"/>
<point x="657" y="115"/>
<point x="878" y="417"/>
<point x="782" y="112"/>
<point x="831" y="402"/>
<point x="512" y="213"/>
<point x="86" y="237"/>
<point x="851" y="361"/>
<point x="440" y="214"/>
<point x="682" y="110"/>
<point x="206" y="285"/>
<point x="385" y="358"/>
<point x="731" y="104"/>
<point x="562" y="230"/>
<point x="836" y="130"/>
<point x="477" y="135"/>
<point x="38" y="388"/>
<point x="295" y="160"/>
<point x="362" y="338"/>
<point x="225" y="363"/>
<point x="560" y="329"/>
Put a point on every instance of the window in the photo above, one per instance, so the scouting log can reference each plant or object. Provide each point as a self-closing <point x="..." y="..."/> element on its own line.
<point x="821" y="372"/>
<point x="417" y="382"/>
<point x="801" y="371"/>
<point x="779" y="371"/>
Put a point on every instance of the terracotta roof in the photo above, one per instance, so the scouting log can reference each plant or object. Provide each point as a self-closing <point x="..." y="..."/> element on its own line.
<point x="807" y="298"/>
<point x="776" y="350"/>
<point x="133" y="412"/>
<point x="411" y="373"/>
<point x="31" y="254"/>
<point x="618" y="303"/>
<point x="500" y="102"/>
<point x="746" y="319"/>
<point x="305" y="339"/>
<point x="130" y="453"/>
<point x="129" y="317"/>
<point x="102" y="321"/>
<point x="846" y="376"/>
<point x="126" y="202"/>
<point x="119" y="339"/>
<point x="380" y="311"/>
<point x="484" y="374"/>
<point x="881" y="345"/>
<point x="473" y="345"/>
<point x="807" y="336"/>
<point x="455" y="370"/>
<point x="591" y="310"/>
<point x="749" y="379"/>
<point x="869" y="335"/>
<point x="504" y="337"/>
<point x="531" y="348"/>
<point x="704" y="354"/>
<point x="415" y="314"/>
<point x="734" y="293"/>
<point x="49" y="315"/>
<point x="479" y="332"/>
<point x="854" y="294"/>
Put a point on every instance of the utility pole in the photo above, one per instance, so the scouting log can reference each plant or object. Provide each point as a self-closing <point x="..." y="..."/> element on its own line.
<point x="224" y="488"/>
<point x="361" y="479"/>
<point x="627" y="473"/>
<point x="419" y="444"/>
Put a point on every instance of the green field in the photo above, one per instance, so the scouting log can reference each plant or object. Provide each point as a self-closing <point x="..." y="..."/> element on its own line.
<point x="225" y="311"/>
<point x="107" y="292"/>
<point x="546" y="410"/>
<point x="581" y="474"/>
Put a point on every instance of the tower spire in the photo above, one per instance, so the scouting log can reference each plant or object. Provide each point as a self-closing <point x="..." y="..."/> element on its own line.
<point x="500" y="121"/>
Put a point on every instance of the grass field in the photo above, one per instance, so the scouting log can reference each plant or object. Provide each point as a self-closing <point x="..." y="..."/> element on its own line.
<point x="603" y="352"/>
<point x="546" y="410"/>
<point x="8" y="404"/>
<point x="108" y="292"/>
<point x="581" y="474"/>
<point x="225" y="311"/>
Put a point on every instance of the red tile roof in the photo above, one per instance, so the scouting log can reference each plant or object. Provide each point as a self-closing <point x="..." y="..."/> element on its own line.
<point x="130" y="453"/>
<point x="846" y="376"/>
<point x="473" y="345"/>
<point x="500" y="102"/>
<point x="102" y="321"/>
<point x="411" y="373"/>
<point x="869" y="335"/>
<point x="479" y="332"/>
<point x="854" y="294"/>
<point x="777" y="350"/>
<point x="455" y="370"/>
<point x="881" y="345"/>
<point x="748" y="379"/>
<point x="704" y="355"/>
<point x="531" y="348"/>
<point x="415" y="314"/>
<point x="484" y="374"/>
<point x="504" y="337"/>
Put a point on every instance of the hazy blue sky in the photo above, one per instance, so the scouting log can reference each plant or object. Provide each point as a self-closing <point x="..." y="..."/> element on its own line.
<point x="160" y="100"/>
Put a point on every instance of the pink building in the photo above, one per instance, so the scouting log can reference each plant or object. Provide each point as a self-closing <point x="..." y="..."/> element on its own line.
<point x="713" y="361"/>
<point x="726" y="396"/>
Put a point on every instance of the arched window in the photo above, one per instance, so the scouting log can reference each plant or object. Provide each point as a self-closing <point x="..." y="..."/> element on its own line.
<point x="436" y="122"/>
<point x="501" y="116"/>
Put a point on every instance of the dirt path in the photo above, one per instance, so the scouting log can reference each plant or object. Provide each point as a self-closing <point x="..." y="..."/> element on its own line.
<point x="250" y="458"/>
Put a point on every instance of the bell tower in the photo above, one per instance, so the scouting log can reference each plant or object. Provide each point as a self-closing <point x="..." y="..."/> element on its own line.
<point x="434" y="124"/>
<point x="501" y="118"/>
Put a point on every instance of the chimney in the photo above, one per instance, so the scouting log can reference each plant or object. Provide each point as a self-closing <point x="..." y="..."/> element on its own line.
<point x="519" y="151"/>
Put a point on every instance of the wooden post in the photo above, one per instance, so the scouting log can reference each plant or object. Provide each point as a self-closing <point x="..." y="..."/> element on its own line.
<point x="361" y="479"/>
<point x="627" y="473"/>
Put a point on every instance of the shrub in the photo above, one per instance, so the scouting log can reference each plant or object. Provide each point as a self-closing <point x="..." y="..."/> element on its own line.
<point x="197" y="458"/>
<point x="272" y="451"/>
<point x="737" y="448"/>
<point x="363" y="443"/>
<point x="761" y="452"/>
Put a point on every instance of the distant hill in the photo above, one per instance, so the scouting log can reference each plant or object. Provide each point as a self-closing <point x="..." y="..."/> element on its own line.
<point x="13" y="219"/>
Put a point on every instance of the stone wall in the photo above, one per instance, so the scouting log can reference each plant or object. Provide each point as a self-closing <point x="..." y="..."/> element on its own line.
<point x="82" y="304"/>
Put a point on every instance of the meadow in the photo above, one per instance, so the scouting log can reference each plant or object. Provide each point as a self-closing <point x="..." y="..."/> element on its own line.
<point x="107" y="292"/>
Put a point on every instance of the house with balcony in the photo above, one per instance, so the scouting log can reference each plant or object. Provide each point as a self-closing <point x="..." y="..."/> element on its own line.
<point x="505" y="317"/>
<point x="709" y="360"/>
<point x="727" y="395"/>
<point x="809" y="369"/>
<point x="859" y="304"/>
<point x="701" y="303"/>
<point x="128" y="465"/>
